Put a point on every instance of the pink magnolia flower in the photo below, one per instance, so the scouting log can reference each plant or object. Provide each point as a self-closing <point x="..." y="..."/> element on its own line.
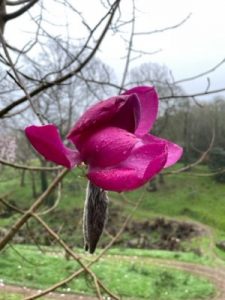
<point x="112" y="138"/>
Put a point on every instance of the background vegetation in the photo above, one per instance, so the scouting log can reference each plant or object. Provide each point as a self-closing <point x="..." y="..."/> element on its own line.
<point x="165" y="240"/>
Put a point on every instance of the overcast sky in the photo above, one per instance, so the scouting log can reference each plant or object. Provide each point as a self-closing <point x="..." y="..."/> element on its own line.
<point x="194" y="47"/>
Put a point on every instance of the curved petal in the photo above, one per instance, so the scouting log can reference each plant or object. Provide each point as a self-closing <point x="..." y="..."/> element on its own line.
<point x="174" y="154"/>
<point x="110" y="112"/>
<point x="174" y="151"/>
<point x="149" y="107"/>
<point x="143" y="164"/>
<point x="46" y="140"/>
<point x="128" y="116"/>
<point x="107" y="147"/>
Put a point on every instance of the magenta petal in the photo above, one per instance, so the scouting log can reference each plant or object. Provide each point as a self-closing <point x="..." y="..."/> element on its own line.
<point x="95" y="117"/>
<point x="149" y="107"/>
<point x="46" y="140"/>
<point x="174" y="151"/>
<point x="143" y="163"/>
<point x="107" y="147"/>
<point x="120" y="111"/>
<point x="128" y="116"/>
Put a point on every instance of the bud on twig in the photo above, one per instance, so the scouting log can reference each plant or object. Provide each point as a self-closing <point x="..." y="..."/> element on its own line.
<point x="95" y="215"/>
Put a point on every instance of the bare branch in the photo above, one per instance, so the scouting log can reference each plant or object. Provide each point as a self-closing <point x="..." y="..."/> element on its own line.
<point x="18" y="2"/>
<point x="77" y="273"/>
<point x="201" y="74"/>
<point x="14" y="229"/>
<point x="20" y="11"/>
<point x="17" y="78"/>
<point x="193" y="95"/>
<point x="197" y="162"/>
<point x="67" y="76"/>
<point x="24" y="167"/>
<point x="164" y="29"/>
<point x="129" y="50"/>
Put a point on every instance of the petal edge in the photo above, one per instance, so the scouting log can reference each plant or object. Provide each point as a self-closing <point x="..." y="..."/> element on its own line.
<point x="149" y="107"/>
<point x="141" y="166"/>
<point x="46" y="140"/>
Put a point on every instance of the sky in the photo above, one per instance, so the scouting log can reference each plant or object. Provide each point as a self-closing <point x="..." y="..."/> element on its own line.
<point x="192" y="48"/>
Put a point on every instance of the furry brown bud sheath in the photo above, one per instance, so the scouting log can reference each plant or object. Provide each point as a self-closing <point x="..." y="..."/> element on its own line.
<point x="95" y="216"/>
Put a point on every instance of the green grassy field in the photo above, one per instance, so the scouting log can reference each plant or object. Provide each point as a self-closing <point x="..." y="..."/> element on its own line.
<point x="130" y="278"/>
<point x="7" y="296"/>
<point x="186" y="196"/>
<point x="183" y="197"/>
<point x="12" y="296"/>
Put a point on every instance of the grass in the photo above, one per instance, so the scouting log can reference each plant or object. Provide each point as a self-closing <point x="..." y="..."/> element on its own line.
<point x="185" y="196"/>
<point x="9" y="296"/>
<point x="129" y="278"/>
<point x="190" y="257"/>
<point x="12" y="296"/>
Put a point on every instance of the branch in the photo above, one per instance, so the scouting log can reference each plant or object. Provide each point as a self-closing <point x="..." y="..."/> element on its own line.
<point x="13" y="3"/>
<point x="192" y="95"/>
<point x="24" y="167"/>
<point x="58" y="81"/>
<point x="164" y="29"/>
<point x="197" y="162"/>
<point x="129" y="50"/>
<point x="50" y="209"/>
<point x="201" y="74"/>
<point x="69" y="251"/>
<point x="14" y="229"/>
<point x="20" y="11"/>
<point x="63" y="244"/>
<point x="17" y="78"/>
<point x="77" y="273"/>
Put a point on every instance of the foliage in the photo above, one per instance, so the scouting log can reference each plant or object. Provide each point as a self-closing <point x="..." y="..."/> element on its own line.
<point x="217" y="163"/>
<point x="192" y="126"/>
<point x="183" y="196"/>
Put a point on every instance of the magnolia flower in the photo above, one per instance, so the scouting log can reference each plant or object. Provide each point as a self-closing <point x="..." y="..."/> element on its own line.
<point x="112" y="138"/>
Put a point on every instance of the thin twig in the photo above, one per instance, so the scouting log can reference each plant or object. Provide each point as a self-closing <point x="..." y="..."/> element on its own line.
<point x="77" y="273"/>
<point x="14" y="229"/>
<point x="17" y="77"/>
<point x="129" y="51"/>
<point x="69" y="251"/>
<point x="70" y="74"/>
<point x="25" y="167"/>
<point x="197" y="162"/>
<point x="19" y="12"/>
<point x="55" y="203"/>
<point x="201" y="74"/>
<point x="165" y="28"/>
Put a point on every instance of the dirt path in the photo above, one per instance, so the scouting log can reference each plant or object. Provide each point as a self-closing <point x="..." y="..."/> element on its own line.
<point x="29" y="292"/>
<point x="214" y="274"/>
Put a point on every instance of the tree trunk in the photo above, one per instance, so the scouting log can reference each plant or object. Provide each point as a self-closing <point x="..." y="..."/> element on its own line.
<point x="50" y="200"/>
<point x="22" y="178"/>
<point x="33" y="185"/>
<point x="43" y="177"/>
